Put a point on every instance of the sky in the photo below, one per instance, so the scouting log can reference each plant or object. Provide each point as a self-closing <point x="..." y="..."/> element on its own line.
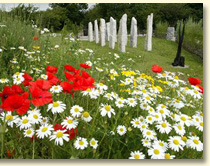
<point x="42" y="6"/>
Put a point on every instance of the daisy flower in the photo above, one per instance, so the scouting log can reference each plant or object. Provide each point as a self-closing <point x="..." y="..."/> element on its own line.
<point x="168" y="156"/>
<point x="131" y="102"/>
<point x="121" y="130"/>
<point x="183" y="119"/>
<point x="137" y="155"/>
<point x="179" y="129"/>
<point x="29" y="132"/>
<point x="156" y="153"/>
<point x="136" y="123"/>
<point x="149" y="134"/>
<point x="56" y="89"/>
<point x="24" y="123"/>
<point x="146" y="143"/>
<point x="69" y="123"/>
<point x="4" y="80"/>
<point x="35" y="117"/>
<point x="176" y="143"/>
<point x="161" y="144"/>
<point x="44" y="120"/>
<point x="108" y="96"/>
<point x="164" y="127"/>
<point x="44" y="131"/>
<point x="143" y="126"/>
<point x="9" y="118"/>
<point x="93" y="143"/>
<point x="44" y="76"/>
<point x="59" y="136"/>
<point x="157" y="117"/>
<point x="76" y="111"/>
<point x="18" y="80"/>
<point x="56" y="107"/>
<point x="107" y="110"/>
<point x="194" y="143"/>
<point x="199" y="126"/>
<point x="81" y="143"/>
<point x="18" y="74"/>
<point x="149" y="119"/>
<point x="86" y="117"/>
<point x="119" y="103"/>
<point x="101" y="86"/>
<point x="89" y="63"/>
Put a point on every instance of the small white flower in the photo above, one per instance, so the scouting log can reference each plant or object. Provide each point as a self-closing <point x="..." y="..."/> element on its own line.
<point x="81" y="143"/>
<point x="121" y="130"/>
<point x="59" y="136"/>
<point x="76" y="111"/>
<point x="137" y="155"/>
<point x="93" y="143"/>
<point x="56" y="107"/>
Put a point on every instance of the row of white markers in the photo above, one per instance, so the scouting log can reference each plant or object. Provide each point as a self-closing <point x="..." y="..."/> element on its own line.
<point x="108" y="32"/>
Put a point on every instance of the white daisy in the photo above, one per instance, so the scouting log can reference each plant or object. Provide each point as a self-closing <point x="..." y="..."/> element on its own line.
<point x="146" y="143"/>
<point x="194" y="143"/>
<point x="4" y="80"/>
<point x="81" y="143"/>
<point x="56" y="89"/>
<point x="24" y="123"/>
<point x="107" y="110"/>
<point x="18" y="80"/>
<point x="56" y="107"/>
<point x="137" y="155"/>
<point x="119" y="103"/>
<point x="44" y="131"/>
<point x="35" y="117"/>
<point x="121" y="130"/>
<point x="76" y="111"/>
<point x="164" y="127"/>
<point x="179" y="129"/>
<point x="168" y="156"/>
<point x="69" y="123"/>
<point x="29" y="132"/>
<point x="93" y="143"/>
<point x="44" y="76"/>
<point x="131" y="102"/>
<point x="86" y="117"/>
<point x="156" y="153"/>
<point x="59" y="136"/>
<point x="176" y="143"/>
<point x="149" y="134"/>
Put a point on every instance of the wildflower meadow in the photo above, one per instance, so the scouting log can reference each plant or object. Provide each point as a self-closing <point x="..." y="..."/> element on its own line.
<point x="62" y="97"/>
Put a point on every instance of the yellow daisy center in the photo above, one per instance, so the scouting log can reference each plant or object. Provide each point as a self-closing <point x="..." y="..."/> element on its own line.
<point x="88" y="90"/>
<point x="69" y="121"/>
<point x="56" y="88"/>
<point x="86" y="114"/>
<point x="137" y="122"/>
<point x="162" y="111"/>
<point x="93" y="142"/>
<point x="163" y="106"/>
<point x="148" y="98"/>
<point x="76" y="110"/>
<point x="164" y="74"/>
<point x="81" y="143"/>
<point x="17" y="73"/>
<point x="196" y="141"/>
<point x="107" y="108"/>
<point x="160" y="143"/>
<point x="183" y="118"/>
<point x="25" y="121"/>
<point x="28" y="132"/>
<point x="156" y="116"/>
<point x="167" y="156"/>
<point x="136" y="156"/>
<point x="44" y="129"/>
<point x="9" y="117"/>
<point x="120" y="102"/>
<point x="184" y="138"/>
<point x="55" y="104"/>
<point x="176" y="77"/>
<point x="201" y="124"/>
<point x="164" y="125"/>
<point x="156" y="151"/>
<point x="176" y="142"/>
<point x="3" y="79"/>
<point x="59" y="134"/>
<point x="121" y="129"/>
<point x="18" y="79"/>
<point x="131" y="101"/>
<point x="179" y="127"/>
<point x="195" y="91"/>
<point x="143" y="126"/>
<point x="101" y="84"/>
<point x="150" y="118"/>
<point x="35" y="116"/>
<point x="148" y="133"/>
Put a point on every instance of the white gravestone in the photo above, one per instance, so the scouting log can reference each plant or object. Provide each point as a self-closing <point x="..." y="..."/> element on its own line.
<point x="102" y="32"/>
<point x="96" y="31"/>
<point x="122" y="34"/>
<point x="148" y="41"/>
<point x="133" y="40"/>
<point x="90" y="31"/>
<point x="113" y="31"/>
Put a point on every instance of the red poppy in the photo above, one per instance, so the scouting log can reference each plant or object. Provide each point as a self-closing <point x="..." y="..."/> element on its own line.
<point x="52" y="69"/>
<point x="34" y="137"/>
<point x="35" y="38"/>
<point x="67" y="87"/>
<point x="9" y="91"/>
<point x="70" y="68"/>
<point x="70" y="77"/>
<point x="194" y="81"/>
<point x="10" y="154"/>
<point x="40" y="97"/>
<point x="156" y="68"/>
<point x="85" y="66"/>
<point x="27" y="79"/>
<point x="42" y="84"/>
<point x="20" y="103"/>
<point x="52" y="78"/>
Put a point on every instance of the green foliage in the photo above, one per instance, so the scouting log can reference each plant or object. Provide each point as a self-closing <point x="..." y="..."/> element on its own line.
<point x="15" y="33"/>
<point x="193" y="38"/>
<point x="161" y="29"/>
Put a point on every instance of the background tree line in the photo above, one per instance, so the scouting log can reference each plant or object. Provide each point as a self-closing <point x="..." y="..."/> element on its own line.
<point x="77" y="15"/>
